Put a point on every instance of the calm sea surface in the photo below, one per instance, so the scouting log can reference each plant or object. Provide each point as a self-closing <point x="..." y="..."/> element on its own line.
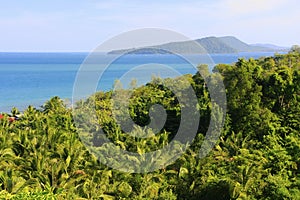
<point x="33" y="78"/>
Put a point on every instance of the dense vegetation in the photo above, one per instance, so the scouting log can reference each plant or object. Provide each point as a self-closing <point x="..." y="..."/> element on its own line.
<point x="257" y="156"/>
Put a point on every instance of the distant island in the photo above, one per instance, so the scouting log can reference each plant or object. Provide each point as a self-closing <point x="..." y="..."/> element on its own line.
<point x="211" y="45"/>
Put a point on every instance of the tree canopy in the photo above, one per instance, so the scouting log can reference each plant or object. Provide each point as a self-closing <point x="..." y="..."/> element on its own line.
<point x="42" y="155"/>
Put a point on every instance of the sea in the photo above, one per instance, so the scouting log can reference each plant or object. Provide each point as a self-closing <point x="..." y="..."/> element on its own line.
<point x="33" y="78"/>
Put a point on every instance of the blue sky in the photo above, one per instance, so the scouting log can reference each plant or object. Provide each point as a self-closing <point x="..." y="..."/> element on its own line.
<point x="74" y="25"/>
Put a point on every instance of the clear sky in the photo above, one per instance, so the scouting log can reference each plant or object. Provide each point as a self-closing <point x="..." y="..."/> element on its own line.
<point x="81" y="25"/>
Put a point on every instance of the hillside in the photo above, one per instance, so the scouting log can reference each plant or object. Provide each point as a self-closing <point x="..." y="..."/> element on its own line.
<point x="242" y="46"/>
<point x="211" y="45"/>
<point x="56" y="152"/>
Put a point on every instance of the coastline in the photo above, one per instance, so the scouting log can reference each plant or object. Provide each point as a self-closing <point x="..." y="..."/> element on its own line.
<point x="38" y="79"/>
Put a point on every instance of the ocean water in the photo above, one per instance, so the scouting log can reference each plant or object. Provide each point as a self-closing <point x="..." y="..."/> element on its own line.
<point x="33" y="78"/>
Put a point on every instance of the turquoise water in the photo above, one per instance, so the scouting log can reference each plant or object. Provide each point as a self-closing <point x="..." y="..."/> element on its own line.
<point x="33" y="78"/>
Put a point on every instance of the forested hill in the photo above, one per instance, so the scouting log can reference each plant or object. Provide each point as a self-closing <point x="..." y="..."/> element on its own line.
<point x="257" y="155"/>
<point x="227" y="44"/>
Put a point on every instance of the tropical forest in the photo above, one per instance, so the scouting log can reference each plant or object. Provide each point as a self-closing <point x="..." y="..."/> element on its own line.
<point x="46" y="153"/>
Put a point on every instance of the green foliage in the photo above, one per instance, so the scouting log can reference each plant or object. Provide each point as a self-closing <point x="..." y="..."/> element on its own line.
<point x="256" y="157"/>
<point x="295" y="49"/>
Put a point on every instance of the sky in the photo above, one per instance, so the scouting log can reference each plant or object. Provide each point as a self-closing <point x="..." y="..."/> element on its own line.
<point x="82" y="25"/>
